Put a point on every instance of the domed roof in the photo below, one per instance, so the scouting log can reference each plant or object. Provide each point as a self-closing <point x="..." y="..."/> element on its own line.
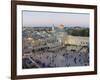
<point x="61" y="26"/>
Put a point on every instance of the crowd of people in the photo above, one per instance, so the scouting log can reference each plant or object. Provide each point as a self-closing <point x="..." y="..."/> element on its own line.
<point x="60" y="57"/>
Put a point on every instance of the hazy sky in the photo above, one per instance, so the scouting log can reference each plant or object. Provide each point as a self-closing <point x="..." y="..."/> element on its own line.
<point x="37" y="18"/>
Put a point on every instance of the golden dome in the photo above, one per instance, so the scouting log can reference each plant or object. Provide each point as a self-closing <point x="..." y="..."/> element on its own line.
<point x="61" y="26"/>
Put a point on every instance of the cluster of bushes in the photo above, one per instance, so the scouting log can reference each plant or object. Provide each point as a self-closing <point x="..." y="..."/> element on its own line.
<point x="78" y="32"/>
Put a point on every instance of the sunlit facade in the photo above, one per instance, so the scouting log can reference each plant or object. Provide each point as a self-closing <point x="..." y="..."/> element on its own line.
<point x="76" y="40"/>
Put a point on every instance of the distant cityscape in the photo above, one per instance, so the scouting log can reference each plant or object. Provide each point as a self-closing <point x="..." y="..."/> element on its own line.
<point x="55" y="46"/>
<point x="55" y="39"/>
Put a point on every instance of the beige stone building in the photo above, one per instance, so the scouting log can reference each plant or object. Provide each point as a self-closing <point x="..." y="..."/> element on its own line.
<point x="76" y="40"/>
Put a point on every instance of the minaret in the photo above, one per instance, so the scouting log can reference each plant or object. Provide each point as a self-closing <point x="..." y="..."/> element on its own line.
<point x="53" y="29"/>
